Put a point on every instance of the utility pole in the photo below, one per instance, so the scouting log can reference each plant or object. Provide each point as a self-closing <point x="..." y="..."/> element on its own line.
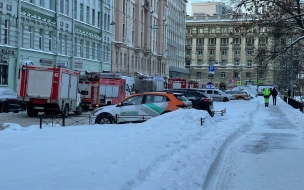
<point x="291" y="72"/>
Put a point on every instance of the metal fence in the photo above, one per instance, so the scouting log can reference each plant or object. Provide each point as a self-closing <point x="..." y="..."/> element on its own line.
<point x="61" y="120"/>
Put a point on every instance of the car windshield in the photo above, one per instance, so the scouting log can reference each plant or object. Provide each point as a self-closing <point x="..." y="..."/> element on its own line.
<point x="181" y="97"/>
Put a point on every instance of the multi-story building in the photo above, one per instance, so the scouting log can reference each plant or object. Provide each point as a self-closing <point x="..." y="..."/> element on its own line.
<point x="141" y="37"/>
<point x="211" y="8"/>
<point x="221" y="42"/>
<point x="75" y="34"/>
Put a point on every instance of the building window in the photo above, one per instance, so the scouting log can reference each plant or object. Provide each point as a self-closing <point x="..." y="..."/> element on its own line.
<point x="88" y="50"/>
<point x="41" y="3"/>
<point x="93" y="50"/>
<point x="52" y="5"/>
<point x="261" y="75"/>
<point x="249" y="63"/>
<point x="93" y="17"/>
<point x="223" y="63"/>
<point x="81" y="48"/>
<point x="211" y="52"/>
<point x="237" y="52"/>
<point x="200" y="30"/>
<point x="263" y="40"/>
<point x="75" y="9"/>
<point x="223" y="75"/>
<point x="188" y="52"/>
<point x="237" y="40"/>
<point x="75" y="47"/>
<point x="66" y="7"/>
<point x="4" y="74"/>
<point x="88" y="14"/>
<point x="121" y="60"/>
<point x="41" y="39"/>
<point x="6" y="32"/>
<point x="65" y="44"/>
<point x="189" y="42"/>
<point x="235" y="74"/>
<point x="81" y="12"/>
<point x="224" y="52"/>
<point x="199" y="52"/>
<point x="98" y="52"/>
<point x="224" y="41"/>
<point x="50" y="40"/>
<point x="224" y="30"/>
<point x="98" y="19"/>
<point x="198" y="75"/>
<point x="61" y="6"/>
<point x="248" y="75"/>
<point x="31" y="37"/>
<point x="212" y="30"/>
<point x="212" y="41"/>
<point x="60" y="43"/>
<point x="200" y="41"/>
<point x="189" y="31"/>
<point x="249" y="40"/>
<point x="249" y="52"/>
<point x="199" y="62"/>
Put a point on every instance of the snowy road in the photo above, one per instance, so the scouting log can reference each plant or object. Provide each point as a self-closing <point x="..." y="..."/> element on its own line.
<point x="268" y="156"/>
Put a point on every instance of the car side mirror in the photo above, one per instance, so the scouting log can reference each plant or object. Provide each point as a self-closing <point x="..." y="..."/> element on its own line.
<point x="118" y="105"/>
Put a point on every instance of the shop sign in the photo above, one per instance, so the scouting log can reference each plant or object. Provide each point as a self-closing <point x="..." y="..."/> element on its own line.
<point x="62" y="64"/>
<point x="78" y="64"/>
<point x="8" y="51"/>
<point x="46" y="62"/>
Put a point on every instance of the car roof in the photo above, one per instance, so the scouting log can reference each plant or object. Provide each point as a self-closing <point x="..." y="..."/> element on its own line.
<point x="154" y="93"/>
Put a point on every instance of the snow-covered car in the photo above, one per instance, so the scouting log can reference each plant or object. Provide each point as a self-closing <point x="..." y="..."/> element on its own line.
<point x="9" y="101"/>
<point x="140" y="107"/>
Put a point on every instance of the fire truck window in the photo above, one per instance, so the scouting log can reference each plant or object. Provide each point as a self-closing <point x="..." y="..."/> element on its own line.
<point x="215" y="92"/>
<point x="123" y="86"/>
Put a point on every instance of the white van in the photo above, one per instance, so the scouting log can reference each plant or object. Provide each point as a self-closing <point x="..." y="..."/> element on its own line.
<point x="130" y="83"/>
<point x="216" y="94"/>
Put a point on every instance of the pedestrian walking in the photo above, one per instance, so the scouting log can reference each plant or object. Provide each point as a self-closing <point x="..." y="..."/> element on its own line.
<point x="274" y="93"/>
<point x="266" y="94"/>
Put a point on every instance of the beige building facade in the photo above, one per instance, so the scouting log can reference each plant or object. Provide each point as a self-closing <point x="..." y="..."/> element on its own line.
<point x="220" y="42"/>
<point x="140" y="41"/>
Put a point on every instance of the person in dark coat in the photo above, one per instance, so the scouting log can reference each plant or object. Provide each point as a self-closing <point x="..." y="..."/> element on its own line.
<point x="274" y="93"/>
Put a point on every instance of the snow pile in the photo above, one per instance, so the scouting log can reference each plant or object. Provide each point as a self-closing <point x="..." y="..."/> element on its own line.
<point x="12" y="127"/>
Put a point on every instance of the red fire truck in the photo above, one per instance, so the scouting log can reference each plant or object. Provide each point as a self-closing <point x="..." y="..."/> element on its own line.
<point x="177" y="83"/>
<point x="101" y="89"/>
<point x="49" y="90"/>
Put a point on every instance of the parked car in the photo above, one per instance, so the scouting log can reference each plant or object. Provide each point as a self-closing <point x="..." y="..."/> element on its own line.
<point x="238" y="95"/>
<point x="199" y="100"/>
<point x="140" y="107"/>
<point x="9" y="101"/>
<point x="216" y="94"/>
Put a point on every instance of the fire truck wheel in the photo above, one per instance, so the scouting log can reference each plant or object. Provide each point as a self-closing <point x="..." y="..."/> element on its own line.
<point x="78" y="110"/>
<point x="211" y="113"/>
<point x="104" y="119"/>
<point x="66" y="111"/>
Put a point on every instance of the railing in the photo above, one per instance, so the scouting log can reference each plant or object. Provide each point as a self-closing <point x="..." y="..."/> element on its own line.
<point x="60" y="119"/>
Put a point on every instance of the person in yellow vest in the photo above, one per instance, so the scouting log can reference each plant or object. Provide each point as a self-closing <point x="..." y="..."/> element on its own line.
<point x="266" y="94"/>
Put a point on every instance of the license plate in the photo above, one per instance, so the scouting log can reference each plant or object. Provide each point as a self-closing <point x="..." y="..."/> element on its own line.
<point x="39" y="108"/>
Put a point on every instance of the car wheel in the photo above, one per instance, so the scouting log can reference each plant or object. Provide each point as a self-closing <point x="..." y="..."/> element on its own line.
<point x="240" y="98"/>
<point x="225" y="99"/>
<point x="16" y="111"/>
<point x="104" y="119"/>
<point x="195" y="107"/>
<point x="4" y="107"/>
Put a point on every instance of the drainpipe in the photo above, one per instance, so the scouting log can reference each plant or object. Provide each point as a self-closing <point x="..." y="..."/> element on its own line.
<point x="19" y="39"/>
<point x="101" y="35"/>
<point x="73" y="37"/>
<point x="57" y="32"/>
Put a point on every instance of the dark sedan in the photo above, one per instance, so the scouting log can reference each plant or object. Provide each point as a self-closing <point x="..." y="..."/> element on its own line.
<point x="199" y="100"/>
<point x="9" y="101"/>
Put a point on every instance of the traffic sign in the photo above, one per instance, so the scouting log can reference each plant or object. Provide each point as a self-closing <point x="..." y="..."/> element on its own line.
<point x="211" y="69"/>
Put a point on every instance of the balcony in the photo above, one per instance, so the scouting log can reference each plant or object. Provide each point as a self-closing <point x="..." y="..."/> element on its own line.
<point x="224" y="45"/>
